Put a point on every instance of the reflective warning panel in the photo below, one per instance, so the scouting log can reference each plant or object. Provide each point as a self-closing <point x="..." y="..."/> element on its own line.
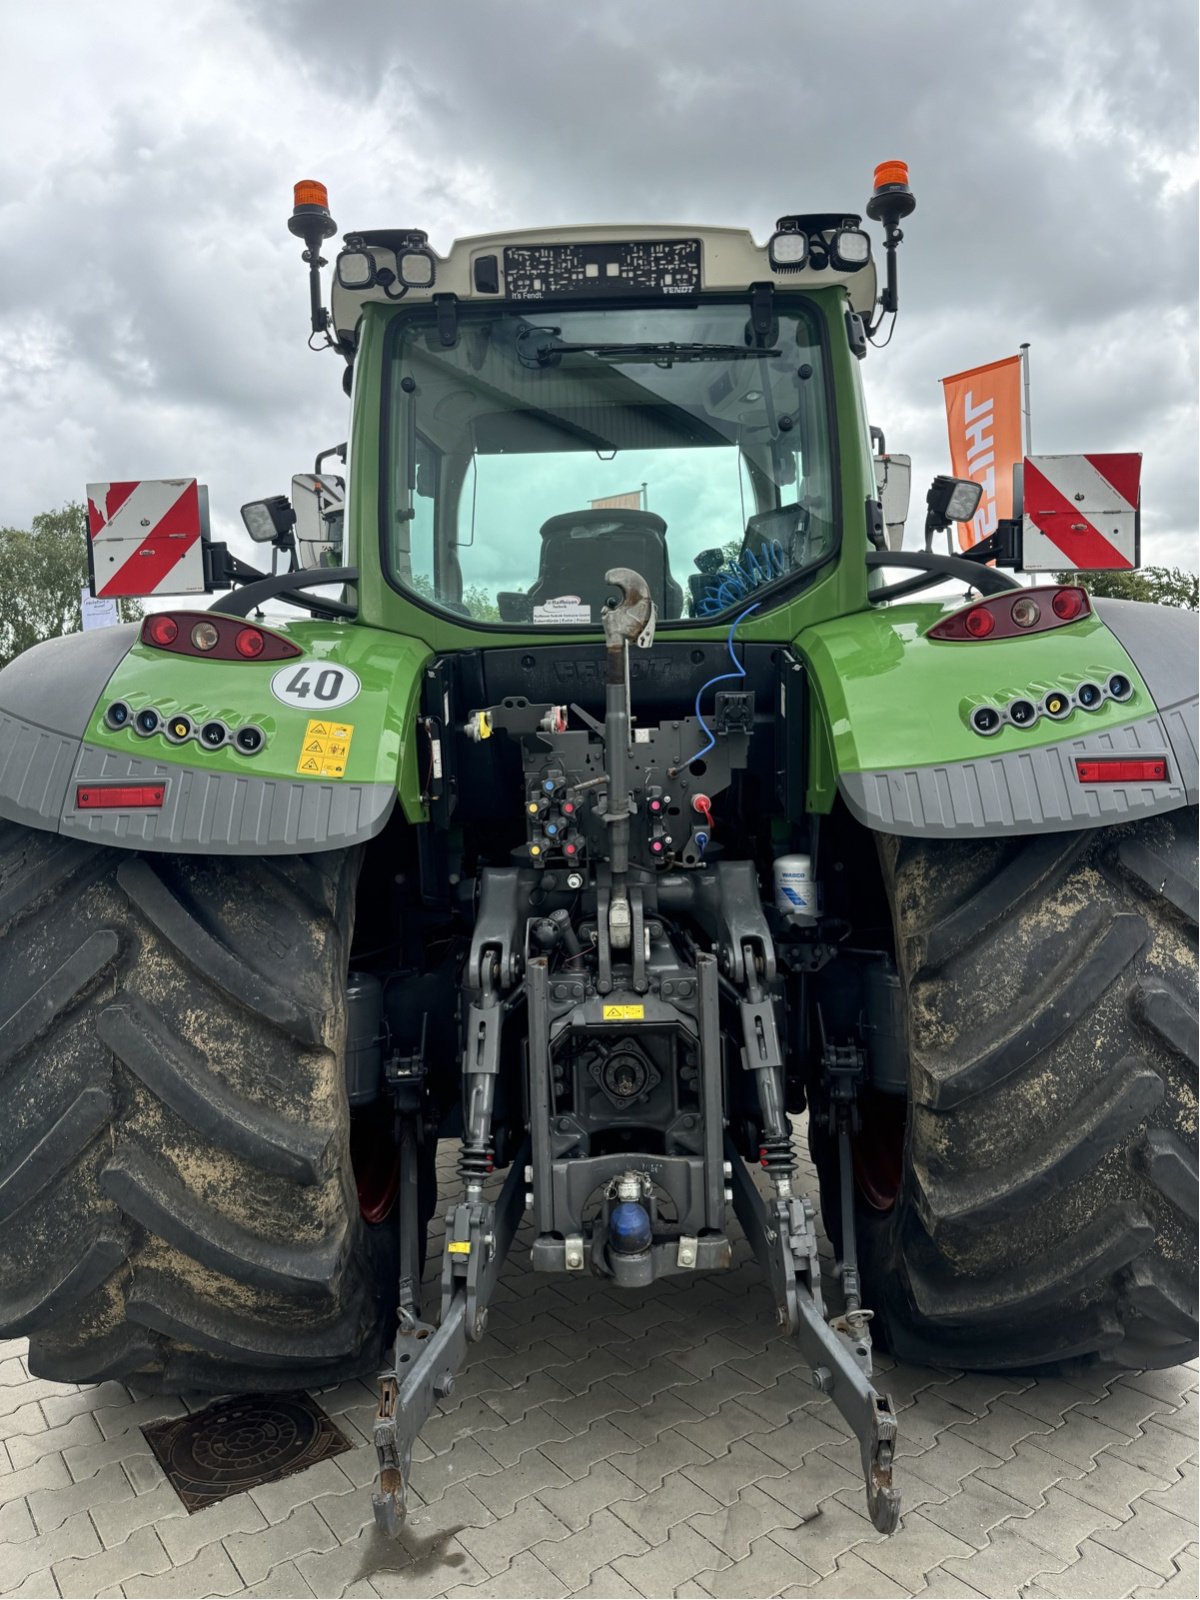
<point x="325" y="749"/>
<point x="1081" y="512"/>
<point x="147" y="537"/>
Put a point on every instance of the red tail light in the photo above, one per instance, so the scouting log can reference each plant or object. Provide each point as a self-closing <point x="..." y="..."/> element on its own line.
<point x="178" y="632"/>
<point x="979" y="622"/>
<point x="1117" y="769"/>
<point x="1014" y="614"/>
<point x="119" y="797"/>
<point x="161" y="630"/>
<point x="1069" y="604"/>
<point x="249" y="642"/>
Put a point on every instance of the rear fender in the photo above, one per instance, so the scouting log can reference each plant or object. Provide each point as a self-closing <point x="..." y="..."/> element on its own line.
<point x="892" y="712"/>
<point x="326" y="775"/>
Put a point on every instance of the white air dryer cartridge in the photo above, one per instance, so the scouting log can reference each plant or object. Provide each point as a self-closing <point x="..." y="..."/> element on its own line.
<point x="797" y="895"/>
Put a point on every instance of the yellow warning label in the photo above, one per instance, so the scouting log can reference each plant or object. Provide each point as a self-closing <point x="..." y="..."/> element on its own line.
<point x="458" y="1247"/>
<point x="324" y="749"/>
<point x="624" y="1013"/>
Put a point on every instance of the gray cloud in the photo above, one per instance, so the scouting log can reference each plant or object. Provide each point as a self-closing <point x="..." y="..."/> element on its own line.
<point x="155" y="319"/>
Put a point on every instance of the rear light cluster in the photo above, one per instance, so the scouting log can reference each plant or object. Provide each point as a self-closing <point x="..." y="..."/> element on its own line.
<point x="1057" y="704"/>
<point x="1014" y="614"/>
<point x="200" y="633"/>
<point x="212" y="733"/>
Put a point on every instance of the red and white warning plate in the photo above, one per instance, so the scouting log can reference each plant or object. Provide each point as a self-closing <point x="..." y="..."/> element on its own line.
<point x="1081" y="512"/>
<point x="146" y="537"/>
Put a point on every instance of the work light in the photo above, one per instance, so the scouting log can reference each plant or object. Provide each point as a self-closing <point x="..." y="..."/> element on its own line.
<point x="416" y="268"/>
<point x="267" y="520"/>
<point x="952" y="500"/>
<point x="850" y="249"/>
<point x="788" y="251"/>
<point x="356" y="269"/>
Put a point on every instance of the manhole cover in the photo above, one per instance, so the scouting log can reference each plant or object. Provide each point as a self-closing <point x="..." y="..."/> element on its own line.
<point x="234" y="1445"/>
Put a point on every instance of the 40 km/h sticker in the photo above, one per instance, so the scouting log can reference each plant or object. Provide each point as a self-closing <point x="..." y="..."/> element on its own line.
<point x="315" y="687"/>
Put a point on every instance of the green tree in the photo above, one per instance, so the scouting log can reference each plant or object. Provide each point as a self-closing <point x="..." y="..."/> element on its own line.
<point x="42" y="570"/>
<point x="480" y="604"/>
<point x="1161" y="586"/>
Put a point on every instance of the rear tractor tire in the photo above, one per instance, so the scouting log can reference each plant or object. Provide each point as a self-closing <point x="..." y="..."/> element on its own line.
<point x="176" y="1195"/>
<point x="1047" y="1201"/>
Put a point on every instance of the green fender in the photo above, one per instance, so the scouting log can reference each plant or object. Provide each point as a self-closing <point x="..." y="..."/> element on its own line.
<point x="891" y="729"/>
<point x="325" y="775"/>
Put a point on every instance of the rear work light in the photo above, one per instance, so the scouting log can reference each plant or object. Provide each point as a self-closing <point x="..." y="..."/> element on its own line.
<point x="1014" y="614"/>
<point x="118" y="797"/>
<point x="1119" y="769"/>
<point x="211" y="637"/>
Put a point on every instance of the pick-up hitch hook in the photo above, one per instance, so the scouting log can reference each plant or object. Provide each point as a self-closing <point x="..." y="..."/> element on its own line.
<point x="631" y="619"/>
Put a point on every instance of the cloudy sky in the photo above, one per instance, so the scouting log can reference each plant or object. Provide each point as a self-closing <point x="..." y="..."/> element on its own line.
<point x="155" y="308"/>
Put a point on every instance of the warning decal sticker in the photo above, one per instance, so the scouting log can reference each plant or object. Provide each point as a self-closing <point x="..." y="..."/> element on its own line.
<point x="324" y="749"/>
<point x="624" y="1013"/>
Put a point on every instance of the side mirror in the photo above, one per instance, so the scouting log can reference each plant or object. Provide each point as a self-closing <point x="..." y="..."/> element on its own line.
<point x="320" y="505"/>
<point x="270" y="521"/>
<point x="893" y="479"/>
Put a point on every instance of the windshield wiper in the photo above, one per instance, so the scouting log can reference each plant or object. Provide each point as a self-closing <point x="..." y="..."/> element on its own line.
<point x="544" y="345"/>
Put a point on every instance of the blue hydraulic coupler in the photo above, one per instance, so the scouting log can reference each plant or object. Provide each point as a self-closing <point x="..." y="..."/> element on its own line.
<point x="629" y="1229"/>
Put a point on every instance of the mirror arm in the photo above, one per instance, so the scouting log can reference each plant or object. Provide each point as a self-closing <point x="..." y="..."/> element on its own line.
<point x="223" y="570"/>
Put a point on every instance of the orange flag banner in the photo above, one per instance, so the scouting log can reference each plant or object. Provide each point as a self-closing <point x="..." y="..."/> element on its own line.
<point x="619" y="502"/>
<point x="983" y="414"/>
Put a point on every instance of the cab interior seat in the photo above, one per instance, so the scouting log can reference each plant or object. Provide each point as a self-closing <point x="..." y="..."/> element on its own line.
<point x="579" y="547"/>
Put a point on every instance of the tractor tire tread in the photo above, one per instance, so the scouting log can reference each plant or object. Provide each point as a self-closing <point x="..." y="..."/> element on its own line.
<point x="1048" y="1204"/>
<point x="176" y="1194"/>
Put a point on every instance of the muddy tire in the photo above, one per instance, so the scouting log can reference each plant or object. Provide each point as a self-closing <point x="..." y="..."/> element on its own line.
<point x="1047" y="1205"/>
<point x="176" y="1196"/>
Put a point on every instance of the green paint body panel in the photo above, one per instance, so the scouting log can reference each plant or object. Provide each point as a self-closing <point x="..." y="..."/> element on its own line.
<point x="885" y="695"/>
<point x="382" y="716"/>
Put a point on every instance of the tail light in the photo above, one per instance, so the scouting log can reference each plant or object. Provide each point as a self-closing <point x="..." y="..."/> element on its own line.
<point x="1014" y="614"/>
<point x="204" y="633"/>
<point x="161" y="630"/>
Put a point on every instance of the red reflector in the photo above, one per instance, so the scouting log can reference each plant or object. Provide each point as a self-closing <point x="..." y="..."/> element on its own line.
<point x="249" y="642"/>
<point x="1106" y="769"/>
<point x="111" y="796"/>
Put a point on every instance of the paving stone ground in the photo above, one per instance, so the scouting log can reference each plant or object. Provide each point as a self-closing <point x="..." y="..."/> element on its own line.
<point x="667" y="1442"/>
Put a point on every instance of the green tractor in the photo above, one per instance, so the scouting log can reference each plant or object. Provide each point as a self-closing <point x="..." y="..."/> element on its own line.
<point x="609" y="806"/>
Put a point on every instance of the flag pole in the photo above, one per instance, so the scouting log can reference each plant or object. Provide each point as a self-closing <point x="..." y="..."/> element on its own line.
<point x="1028" y="419"/>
